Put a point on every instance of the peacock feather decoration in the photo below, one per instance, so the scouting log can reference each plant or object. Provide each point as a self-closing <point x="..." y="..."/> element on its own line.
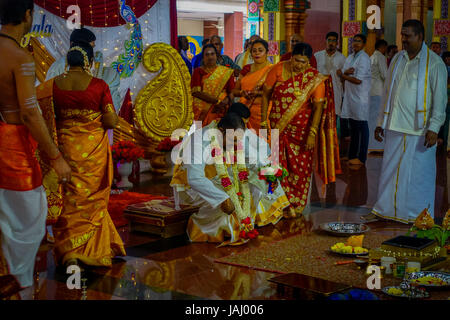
<point x="128" y="62"/>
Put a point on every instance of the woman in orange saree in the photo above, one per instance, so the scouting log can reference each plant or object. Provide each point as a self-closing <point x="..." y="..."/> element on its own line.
<point x="251" y="80"/>
<point x="303" y="112"/>
<point x="79" y="109"/>
<point x="211" y="88"/>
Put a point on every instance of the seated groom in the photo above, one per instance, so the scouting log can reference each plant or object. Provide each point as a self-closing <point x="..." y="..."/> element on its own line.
<point x="226" y="193"/>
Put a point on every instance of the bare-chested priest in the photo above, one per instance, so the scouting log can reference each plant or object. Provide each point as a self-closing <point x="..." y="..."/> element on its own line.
<point x="23" y="203"/>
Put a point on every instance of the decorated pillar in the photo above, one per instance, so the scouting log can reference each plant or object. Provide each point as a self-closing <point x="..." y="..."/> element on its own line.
<point x="372" y="34"/>
<point x="353" y="22"/>
<point x="273" y="31"/>
<point x="254" y="18"/>
<point x="400" y="20"/>
<point x="294" y="20"/>
<point x="441" y="30"/>
<point x="233" y="33"/>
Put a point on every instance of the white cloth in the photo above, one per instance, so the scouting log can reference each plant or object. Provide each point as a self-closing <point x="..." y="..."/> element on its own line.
<point x="356" y="96"/>
<point x="155" y="27"/>
<point x="374" y="110"/>
<point x="379" y="69"/>
<point x="328" y="65"/>
<point x="108" y="74"/>
<point x="403" y="104"/>
<point x="22" y="225"/>
<point x="240" y="61"/>
<point x="408" y="178"/>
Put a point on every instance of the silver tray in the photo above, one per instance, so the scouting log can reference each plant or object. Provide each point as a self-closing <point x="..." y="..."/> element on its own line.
<point x="344" y="229"/>
<point x="411" y="277"/>
<point x="424" y="294"/>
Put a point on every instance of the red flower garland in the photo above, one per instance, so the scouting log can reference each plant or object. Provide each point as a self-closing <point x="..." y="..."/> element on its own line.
<point x="249" y="232"/>
<point x="226" y="182"/>
<point x="243" y="175"/>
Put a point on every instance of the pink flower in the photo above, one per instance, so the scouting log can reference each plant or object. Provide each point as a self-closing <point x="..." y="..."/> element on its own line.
<point x="243" y="175"/>
<point x="226" y="182"/>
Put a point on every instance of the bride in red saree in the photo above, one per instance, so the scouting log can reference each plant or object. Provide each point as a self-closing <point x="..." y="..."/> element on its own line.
<point x="303" y="112"/>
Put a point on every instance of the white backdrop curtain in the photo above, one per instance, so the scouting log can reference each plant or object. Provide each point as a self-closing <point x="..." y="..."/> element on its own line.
<point x="155" y="26"/>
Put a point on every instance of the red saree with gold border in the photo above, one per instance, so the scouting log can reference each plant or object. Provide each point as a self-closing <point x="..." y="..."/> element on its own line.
<point x="292" y="115"/>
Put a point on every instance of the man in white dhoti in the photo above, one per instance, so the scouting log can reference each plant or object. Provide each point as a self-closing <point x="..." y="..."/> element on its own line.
<point x="108" y="74"/>
<point x="355" y="107"/>
<point x="413" y="110"/>
<point x="23" y="202"/>
<point x="378" y="67"/>
<point x="328" y="62"/>
<point x="199" y="181"/>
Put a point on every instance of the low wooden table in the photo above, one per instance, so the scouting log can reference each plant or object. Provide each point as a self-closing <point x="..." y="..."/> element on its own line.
<point x="159" y="217"/>
<point x="300" y="286"/>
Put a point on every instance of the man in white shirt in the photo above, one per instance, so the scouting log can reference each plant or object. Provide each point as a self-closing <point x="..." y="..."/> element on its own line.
<point x="355" y="107"/>
<point x="413" y="110"/>
<point x="379" y="68"/>
<point x="328" y="62"/>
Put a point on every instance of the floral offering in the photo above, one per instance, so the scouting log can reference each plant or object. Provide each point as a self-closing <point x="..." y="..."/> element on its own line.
<point x="126" y="151"/>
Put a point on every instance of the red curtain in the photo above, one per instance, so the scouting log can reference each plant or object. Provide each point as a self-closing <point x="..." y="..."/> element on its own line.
<point x="173" y="24"/>
<point x="97" y="13"/>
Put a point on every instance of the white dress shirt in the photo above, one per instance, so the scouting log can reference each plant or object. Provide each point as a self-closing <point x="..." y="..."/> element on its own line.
<point x="328" y="65"/>
<point x="356" y="96"/>
<point x="379" y="68"/>
<point x="404" y="93"/>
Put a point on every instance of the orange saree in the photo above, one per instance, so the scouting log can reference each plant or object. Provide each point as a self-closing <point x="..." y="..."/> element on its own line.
<point x="291" y="114"/>
<point x="84" y="229"/>
<point x="218" y="84"/>
<point x="253" y="81"/>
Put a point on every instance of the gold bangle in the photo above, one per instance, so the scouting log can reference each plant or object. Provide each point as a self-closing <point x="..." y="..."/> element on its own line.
<point x="313" y="130"/>
<point x="264" y="123"/>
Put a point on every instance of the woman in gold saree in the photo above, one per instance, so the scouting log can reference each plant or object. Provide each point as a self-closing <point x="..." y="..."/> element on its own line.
<point x="79" y="109"/>
<point x="303" y="112"/>
<point x="251" y="80"/>
<point x="211" y="88"/>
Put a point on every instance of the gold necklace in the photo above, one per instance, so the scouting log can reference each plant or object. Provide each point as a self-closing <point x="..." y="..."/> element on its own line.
<point x="297" y="91"/>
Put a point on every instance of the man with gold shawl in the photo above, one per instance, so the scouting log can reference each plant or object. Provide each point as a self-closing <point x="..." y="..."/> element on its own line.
<point x="198" y="180"/>
<point x="411" y="114"/>
<point x="303" y="112"/>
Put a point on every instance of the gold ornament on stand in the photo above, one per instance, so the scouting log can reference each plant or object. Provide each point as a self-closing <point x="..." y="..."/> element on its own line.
<point x="162" y="106"/>
<point x="165" y="104"/>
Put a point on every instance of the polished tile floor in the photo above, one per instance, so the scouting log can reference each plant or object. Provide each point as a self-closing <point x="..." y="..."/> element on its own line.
<point x="174" y="268"/>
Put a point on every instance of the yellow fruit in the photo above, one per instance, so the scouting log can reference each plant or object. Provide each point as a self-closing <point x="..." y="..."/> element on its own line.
<point x="355" y="241"/>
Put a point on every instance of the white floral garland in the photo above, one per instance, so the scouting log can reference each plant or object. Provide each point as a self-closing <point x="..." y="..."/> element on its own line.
<point x="240" y="181"/>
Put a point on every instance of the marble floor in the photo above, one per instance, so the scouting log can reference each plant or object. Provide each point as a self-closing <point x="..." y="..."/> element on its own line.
<point x="174" y="268"/>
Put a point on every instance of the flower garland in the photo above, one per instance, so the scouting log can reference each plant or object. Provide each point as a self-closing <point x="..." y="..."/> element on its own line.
<point x="272" y="174"/>
<point x="238" y="190"/>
